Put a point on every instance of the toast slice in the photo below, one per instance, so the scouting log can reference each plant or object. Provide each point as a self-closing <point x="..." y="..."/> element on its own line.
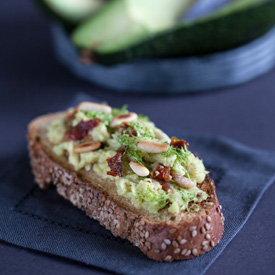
<point x="162" y="236"/>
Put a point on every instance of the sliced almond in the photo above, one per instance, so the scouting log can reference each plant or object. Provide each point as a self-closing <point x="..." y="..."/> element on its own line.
<point x="152" y="146"/>
<point x="87" y="146"/>
<point x="162" y="136"/>
<point x="129" y="117"/>
<point x="182" y="181"/>
<point x="93" y="107"/>
<point x="139" y="169"/>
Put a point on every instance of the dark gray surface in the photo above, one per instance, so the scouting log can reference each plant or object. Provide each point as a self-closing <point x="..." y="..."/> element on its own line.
<point x="32" y="83"/>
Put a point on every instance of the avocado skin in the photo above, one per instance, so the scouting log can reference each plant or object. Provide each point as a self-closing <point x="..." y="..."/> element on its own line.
<point x="203" y="37"/>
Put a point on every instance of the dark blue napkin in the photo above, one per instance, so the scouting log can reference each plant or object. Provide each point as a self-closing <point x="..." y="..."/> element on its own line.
<point x="42" y="220"/>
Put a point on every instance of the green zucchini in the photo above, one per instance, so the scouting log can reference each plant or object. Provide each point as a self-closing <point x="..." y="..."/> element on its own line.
<point x="236" y="24"/>
<point x="125" y="22"/>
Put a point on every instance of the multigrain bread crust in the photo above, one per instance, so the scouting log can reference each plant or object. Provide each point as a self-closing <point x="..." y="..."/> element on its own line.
<point x="182" y="237"/>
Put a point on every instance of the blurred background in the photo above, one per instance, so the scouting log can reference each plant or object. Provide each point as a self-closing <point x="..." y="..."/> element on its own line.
<point x="34" y="82"/>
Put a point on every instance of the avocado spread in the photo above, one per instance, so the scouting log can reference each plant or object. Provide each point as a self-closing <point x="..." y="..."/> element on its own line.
<point x="150" y="170"/>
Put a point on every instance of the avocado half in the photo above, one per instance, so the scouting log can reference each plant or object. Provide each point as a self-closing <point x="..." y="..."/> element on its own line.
<point x="237" y="23"/>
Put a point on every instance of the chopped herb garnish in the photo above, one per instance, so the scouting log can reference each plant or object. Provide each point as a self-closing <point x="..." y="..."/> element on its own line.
<point x="143" y="117"/>
<point x="152" y="196"/>
<point x="190" y="196"/>
<point x="182" y="154"/>
<point x="105" y="117"/>
<point x="123" y="110"/>
<point x="130" y="147"/>
<point x="142" y="131"/>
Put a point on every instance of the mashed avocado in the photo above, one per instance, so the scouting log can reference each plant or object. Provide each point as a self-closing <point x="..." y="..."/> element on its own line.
<point x="144" y="192"/>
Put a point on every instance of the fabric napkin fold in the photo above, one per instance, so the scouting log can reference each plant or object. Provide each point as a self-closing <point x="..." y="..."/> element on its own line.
<point x="44" y="221"/>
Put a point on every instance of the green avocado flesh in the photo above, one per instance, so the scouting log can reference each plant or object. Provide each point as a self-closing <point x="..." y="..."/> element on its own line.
<point x="125" y="22"/>
<point x="232" y="26"/>
<point x="70" y="12"/>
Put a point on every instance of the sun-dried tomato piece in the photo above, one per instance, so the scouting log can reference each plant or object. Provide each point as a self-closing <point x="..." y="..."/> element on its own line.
<point x="81" y="130"/>
<point x="165" y="186"/>
<point x="176" y="143"/>
<point x="127" y="129"/>
<point x="161" y="173"/>
<point x="116" y="163"/>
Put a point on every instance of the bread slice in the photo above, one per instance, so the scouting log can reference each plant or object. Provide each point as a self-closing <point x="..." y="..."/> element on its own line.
<point x="178" y="237"/>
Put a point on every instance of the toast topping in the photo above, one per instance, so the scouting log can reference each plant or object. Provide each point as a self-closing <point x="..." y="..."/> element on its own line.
<point x="162" y="136"/>
<point x="139" y="169"/>
<point x="150" y="170"/>
<point x="93" y="107"/>
<point x="127" y="129"/>
<point x="161" y="173"/>
<point x="81" y="130"/>
<point x="87" y="146"/>
<point x="152" y="146"/>
<point x="176" y="143"/>
<point x="129" y="117"/>
<point x="115" y="163"/>
<point x="182" y="181"/>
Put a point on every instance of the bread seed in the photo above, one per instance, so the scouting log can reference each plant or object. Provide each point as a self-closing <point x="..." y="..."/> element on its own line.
<point x="179" y="238"/>
<point x="203" y="231"/>
<point x="142" y="222"/>
<point x="87" y="147"/>
<point x="205" y="247"/>
<point x="191" y="228"/>
<point x="212" y="243"/>
<point x="207" y="226"/>
<point x="207" y="236"/>
<point x="194" y="251"/>
<point x="188" y="253"/>
<point x="176" y="251"/>
<point x="172" y="231"/>
<point x="167" y="241"/>
<point x="182" y="181"/>
<point x="163" y="246"/>
<point x="139" y="169"/>
<point x="93" y="107"/>
<point x="152" y="146"/>
<point x="208" y="219"/>
<point x="129" y="117"/>
<point x="147" y="234"/>
<point x="183" y="241"/>
<point x="168" y="258"/>
<point x="204" y="243"/>
<point x="175" y="244"/>
<point x="183" y="251"/>
<point x="194" y="233"/>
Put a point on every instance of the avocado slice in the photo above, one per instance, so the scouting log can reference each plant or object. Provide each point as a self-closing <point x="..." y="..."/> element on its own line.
<point x="122" y="23"/>
<point x="237" y="23"/>
<point x="70" y="12"/>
